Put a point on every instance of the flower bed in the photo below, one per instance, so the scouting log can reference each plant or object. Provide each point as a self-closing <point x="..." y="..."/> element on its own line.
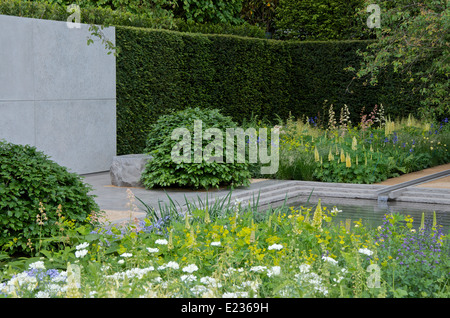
<point x="230" y="251"/>
<point x="367" y="152"/>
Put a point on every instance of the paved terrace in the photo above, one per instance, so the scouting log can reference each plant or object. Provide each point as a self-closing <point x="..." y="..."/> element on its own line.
<point x="113" y="200"/>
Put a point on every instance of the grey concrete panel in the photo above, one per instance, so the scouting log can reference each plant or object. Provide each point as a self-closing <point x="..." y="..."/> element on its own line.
<point x="17" y="122"/>
<point x="80" y="135"/>
<point x="16" y="58"/>
<point x="67" y="68"/>
<point x="58" y="93"/>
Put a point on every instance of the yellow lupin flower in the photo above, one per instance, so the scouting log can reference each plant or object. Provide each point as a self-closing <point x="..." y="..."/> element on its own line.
<point x="348" y="162"/>
<point x="330" y="156"/>
<point x="342" y="156"/>
<point x="354" y="143"/>
<point x="316" y="154"/>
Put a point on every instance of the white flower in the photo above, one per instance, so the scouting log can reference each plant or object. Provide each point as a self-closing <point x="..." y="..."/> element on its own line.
<point x="329" y="260"/>
<point x="42" y="294"/>
<point x="215" y="243"/>
<point x="171" y="264"/>
<point x="120" y="261"/>
<point x="304" y="268"/>
<point x="335" y="210"/>
<point x="258" y="268"/>
<point x="153" y="250"/>
<point x="161" y="242"/>
<point x="126" y="255"/>
<point x="210" y="281"/>
<point x="188" y="278"/>
<point x="365" y="251"/>
<point x="37" y="265"/>
<point x="80" y="253"/>
<point x="190" y="268"/>
<point x="82" y="246"/>
<point x="275" y="247"/>
<point x="275" y="270"/>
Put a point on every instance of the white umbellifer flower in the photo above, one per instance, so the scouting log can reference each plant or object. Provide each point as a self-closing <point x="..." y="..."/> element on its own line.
<point x="304" y="268"/>
<point x="275" y="247"/>
<point x="188" y="278"/>
<point x="126" y="255"/>
<point x="275" y="270"/>
<point x="210" y="281"/>
<point x="82" y="246"/>
<point x="190" y="268"/>
<point x="80" y="253"/>
<point x="365" y="251"/>
<point x="329" y="260"/>
<point x="335" y="210"/>
<point x="120" y="261"/>
<point x="215" y="243"/>
<point x="199" y="289"/>
<point x="161" y="242"/>
<point x="42" y="294"/>
<point x="153" y="250"/>
<point x="171" y="264"/>
<point x="37" y="265"/>
<point x="258" y="268"/>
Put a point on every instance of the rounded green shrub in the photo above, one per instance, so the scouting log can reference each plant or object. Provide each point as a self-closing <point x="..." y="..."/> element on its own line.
<point x="38" y="200"/>
<point x="164" y="171"/>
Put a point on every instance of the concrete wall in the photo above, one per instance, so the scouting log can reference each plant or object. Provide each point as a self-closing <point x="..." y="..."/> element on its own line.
<point x="57" y="93"/>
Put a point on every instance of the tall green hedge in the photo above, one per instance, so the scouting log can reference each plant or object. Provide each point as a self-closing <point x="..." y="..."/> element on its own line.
<point x="160" y="71"/>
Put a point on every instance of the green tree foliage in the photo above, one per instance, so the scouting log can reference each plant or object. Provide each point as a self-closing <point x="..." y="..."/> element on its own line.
<point x="319" y="20"/>
<point x="413" y="41"/>
<point x="153" y="8"/>
<point x="212" y="11"/>
<point x="260" y="13"/>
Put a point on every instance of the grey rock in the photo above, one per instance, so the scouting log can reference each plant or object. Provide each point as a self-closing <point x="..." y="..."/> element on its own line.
<point x="126" y="170"/>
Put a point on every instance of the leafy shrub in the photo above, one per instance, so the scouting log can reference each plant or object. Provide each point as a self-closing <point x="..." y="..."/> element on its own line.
<point x="164" y="171"/>
<point x="38" y="199"/>
<point x="319" y="20"/>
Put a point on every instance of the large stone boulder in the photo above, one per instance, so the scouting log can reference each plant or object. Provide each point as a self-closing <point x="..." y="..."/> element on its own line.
<point x="126" y="170"/>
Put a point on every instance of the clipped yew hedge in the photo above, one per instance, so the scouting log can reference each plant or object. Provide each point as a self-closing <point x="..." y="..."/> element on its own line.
<point x="161" y="71"/>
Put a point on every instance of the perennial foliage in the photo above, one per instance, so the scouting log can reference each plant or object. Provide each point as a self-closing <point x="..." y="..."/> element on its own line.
<point x="235" y="251"/>
<point x="39" y="199"/>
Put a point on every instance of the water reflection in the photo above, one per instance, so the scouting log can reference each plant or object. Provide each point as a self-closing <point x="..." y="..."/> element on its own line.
<point x="371" y="212"/>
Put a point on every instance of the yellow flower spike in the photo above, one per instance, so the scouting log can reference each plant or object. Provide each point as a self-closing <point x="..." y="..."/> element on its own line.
<point x="337" y="150"/>
<point x="348" y="162"/>
<point x="354" y="143"/>
<point x="207" y="219"/>
<point x="317" y="218"/>
<point x="342" y="156"/>
<point x="170" y="243"/>
<point x="330" y="156"/>
<point x="187" y="224"/>
<point x="316" y="154"/>
<point x="422" y="225"/>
